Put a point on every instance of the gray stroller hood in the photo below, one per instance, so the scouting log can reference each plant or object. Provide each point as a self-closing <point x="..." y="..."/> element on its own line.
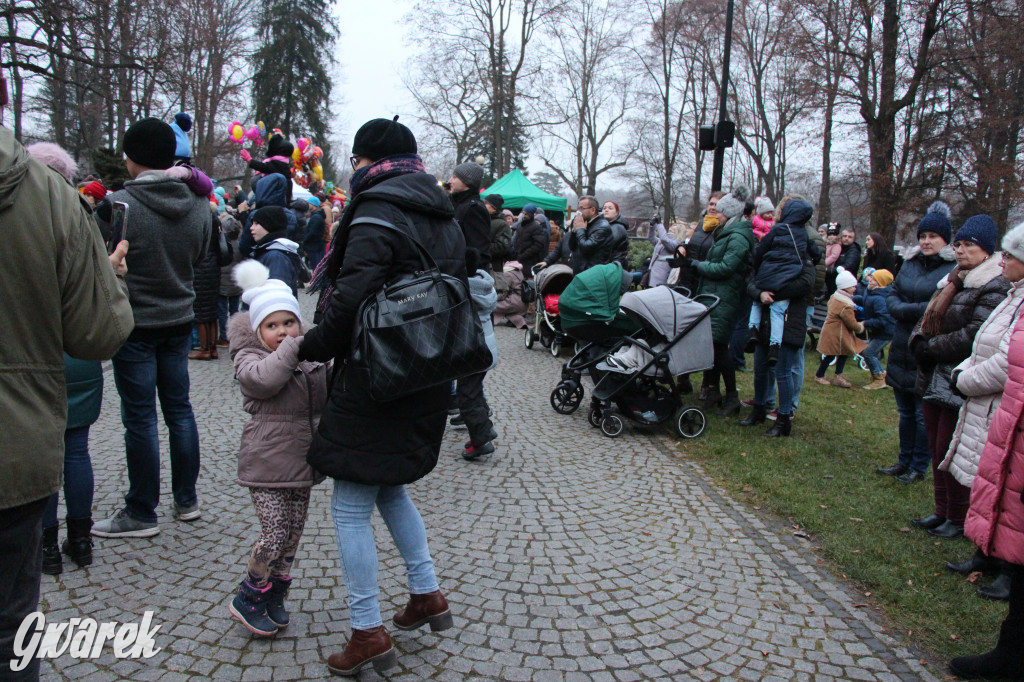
<point x="670" y="314"/>
<point x="553" y="279"/>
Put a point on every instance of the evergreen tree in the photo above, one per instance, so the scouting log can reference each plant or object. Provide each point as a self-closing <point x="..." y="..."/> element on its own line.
<point x="292" y="88"/>
<point x="517" y="151"/>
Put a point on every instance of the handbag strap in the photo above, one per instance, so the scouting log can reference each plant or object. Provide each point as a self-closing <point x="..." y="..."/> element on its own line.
<point x="425" y="258"/>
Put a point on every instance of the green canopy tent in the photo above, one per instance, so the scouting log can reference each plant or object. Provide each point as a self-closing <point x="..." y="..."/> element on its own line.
<point x="517" y="191"/>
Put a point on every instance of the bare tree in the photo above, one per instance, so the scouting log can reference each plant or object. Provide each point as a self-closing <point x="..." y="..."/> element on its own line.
<point x="589" y="98"/>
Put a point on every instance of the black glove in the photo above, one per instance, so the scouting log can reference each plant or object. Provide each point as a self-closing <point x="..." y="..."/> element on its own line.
<point x="953" y="386"/>
<point x="680" y="262"/>
<point x="922" y="353"/>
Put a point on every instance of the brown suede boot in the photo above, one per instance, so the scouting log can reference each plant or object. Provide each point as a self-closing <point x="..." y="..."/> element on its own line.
<point x="422" y="609"/>
<point x="366" y="646"/>
<point x="840" y="381"/>
<point x="877" y="382"/>
<point x="204" y="344"/>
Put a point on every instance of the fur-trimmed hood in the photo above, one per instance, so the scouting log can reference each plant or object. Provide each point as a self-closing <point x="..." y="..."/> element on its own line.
<point x="977" y="276"/>
<point x="945" y="253"/>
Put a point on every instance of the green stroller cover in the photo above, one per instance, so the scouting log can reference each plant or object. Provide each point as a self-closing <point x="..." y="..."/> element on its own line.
<point x="593" y="297"/>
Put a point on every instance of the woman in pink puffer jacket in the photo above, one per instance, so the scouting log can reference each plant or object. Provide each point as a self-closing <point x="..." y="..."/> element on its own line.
<point x="995" y="521"/>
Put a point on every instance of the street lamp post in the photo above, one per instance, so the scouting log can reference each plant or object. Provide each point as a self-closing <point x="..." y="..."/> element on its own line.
<point x="724" y="129"/>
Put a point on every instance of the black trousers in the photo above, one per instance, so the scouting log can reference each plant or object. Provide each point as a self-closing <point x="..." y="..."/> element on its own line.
<point x="21" y="532"/>
<point x="723" y="368"/>
<point x="469" y="393"/>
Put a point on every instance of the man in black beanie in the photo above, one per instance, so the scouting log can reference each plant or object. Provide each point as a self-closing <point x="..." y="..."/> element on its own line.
<point x="168" y="228"/>
<point x="470" y="213"/>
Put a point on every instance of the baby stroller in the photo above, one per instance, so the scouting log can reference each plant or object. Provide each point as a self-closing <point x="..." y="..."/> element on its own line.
<point x="590" y="315"/>
<point x="638" y="379"/>
<point x="547" y="327"/>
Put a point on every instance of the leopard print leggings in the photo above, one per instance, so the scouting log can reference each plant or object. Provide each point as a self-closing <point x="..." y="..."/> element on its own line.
<point x="282" y="514"/>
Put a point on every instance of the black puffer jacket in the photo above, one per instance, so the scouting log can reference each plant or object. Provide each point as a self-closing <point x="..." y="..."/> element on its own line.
<point x="475" y="221"/>
<point x="529" y="244"/>
<point x="794" y="332"/>
<point x="360" y="439"/>
<point x="207" y="279"/>
<point x="984" y="289"/>
<point x="908" y="298"/>
<point x="697" y="248"/>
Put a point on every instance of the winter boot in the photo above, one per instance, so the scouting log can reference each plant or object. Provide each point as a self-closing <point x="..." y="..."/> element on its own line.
<point x="998" y="589"/>
<point x="52" y="563"/>
<point x="366" y="646"/>
<point x="714" y="397"/>
<point x="1006" y="661"/>
<point x="249" y="608"/>
<point x="783" y="426"/>
<point x="839" y="381"/>
<point x="422" y="609"/>
<point x="204" y="344"/>
<point x="211" y="339"/>
<point x="877" y="382"/>
<point x="773" y="354"/>
<point x="752" y="339"/>
<point x="730" y="405"/>
<point x="78" y="545"/>
<point x="757" y="416"/>
<point x="279" y="585"/>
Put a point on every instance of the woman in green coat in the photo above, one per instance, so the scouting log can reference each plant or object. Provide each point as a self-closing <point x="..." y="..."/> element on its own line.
<point x="724" y="274"/>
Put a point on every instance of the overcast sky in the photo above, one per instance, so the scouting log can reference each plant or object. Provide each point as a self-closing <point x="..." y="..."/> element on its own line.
<point x="372" y="53"/>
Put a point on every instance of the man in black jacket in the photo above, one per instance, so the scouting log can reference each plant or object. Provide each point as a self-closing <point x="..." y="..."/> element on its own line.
<point x="470" y="213"/>
<point x="529" y="242"/>
<point x="592" y="236"/>
<point x="501" y="233"/>
<point x="850" y="255"/>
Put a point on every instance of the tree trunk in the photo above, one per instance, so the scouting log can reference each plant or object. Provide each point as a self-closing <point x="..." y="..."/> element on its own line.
<point x="881" y="148"/>
<point x="824" y="194"/>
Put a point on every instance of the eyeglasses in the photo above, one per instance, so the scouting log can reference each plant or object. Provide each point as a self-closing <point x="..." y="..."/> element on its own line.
<point x="964" y="243"/>
<point x="1009" y="256"/>
<point x="354" y="160"/>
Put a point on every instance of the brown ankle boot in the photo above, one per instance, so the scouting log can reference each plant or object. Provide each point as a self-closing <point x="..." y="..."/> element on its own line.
<point x="422" y="609"/>
<point x="877" y="382"/>
<point x="366" y="646"/>
<point x="204" y="344"/>
<point x="211" y="339"/>
<point x="840" y="382"/>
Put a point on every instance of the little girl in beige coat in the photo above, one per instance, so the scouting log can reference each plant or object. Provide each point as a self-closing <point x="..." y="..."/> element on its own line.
<point x="285" y="398"/>
<point x="838" y="340"/>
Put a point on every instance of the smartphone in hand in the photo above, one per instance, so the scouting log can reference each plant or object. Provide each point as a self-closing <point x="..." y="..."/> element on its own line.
<point x="118" y="225"/>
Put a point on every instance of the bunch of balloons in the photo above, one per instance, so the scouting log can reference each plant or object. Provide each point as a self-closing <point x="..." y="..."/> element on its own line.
<point x="335" y="195"/>
<point x="306" y="160"/>
<point x="239" y="134"/>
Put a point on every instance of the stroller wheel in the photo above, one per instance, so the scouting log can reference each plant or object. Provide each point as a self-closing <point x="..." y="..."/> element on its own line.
<point x="567" y="397"/>
<point x="528" y="339"/>
<point x="691" y="422"/>
<point x="594" y="417"/>
<point x="863" y="363"/>
<point x="612" y="426"/>
<point x="556" y="347"/>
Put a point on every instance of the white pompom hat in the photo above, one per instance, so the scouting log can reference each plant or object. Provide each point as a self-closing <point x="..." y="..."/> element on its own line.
<point x="263" y="295"/>
<point x="844" y="280"/>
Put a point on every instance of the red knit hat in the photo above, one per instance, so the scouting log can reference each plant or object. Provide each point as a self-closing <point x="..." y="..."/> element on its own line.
<point x="94" y="190"/>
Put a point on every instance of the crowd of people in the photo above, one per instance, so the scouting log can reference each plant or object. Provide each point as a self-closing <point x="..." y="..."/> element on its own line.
<point x="229" y="266"/>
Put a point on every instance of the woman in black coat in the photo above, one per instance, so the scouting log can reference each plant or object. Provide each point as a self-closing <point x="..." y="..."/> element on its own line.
<point x="207" y="287"/>
<point x="878" y="255"/>
<point x="925" y="264"/>
<point x="372" y="449"/>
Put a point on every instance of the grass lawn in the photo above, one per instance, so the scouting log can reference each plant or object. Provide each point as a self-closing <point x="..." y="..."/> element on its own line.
<point x="822" y="482"/>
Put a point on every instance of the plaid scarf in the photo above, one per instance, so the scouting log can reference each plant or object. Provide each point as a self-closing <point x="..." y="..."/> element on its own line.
<point x="327" y="270"/>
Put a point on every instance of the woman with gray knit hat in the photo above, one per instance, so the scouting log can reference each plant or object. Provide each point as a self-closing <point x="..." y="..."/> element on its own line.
<point x="943" y="339"/>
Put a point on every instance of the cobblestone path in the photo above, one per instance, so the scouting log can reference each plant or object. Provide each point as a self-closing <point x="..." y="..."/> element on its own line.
<point x="566" y="556"/>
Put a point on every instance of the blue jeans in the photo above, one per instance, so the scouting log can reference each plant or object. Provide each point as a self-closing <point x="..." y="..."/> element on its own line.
<point x="914" y="451"/>
<point x="870" y="354"/>
<point x="777" y="319"/>
<point x="764" y="382"/>
<point x="798" y="376"/>
<point x="142" y="371"/>
<point x="78" y="481"/>
<point x="226" y="306"/>
<point x="352" y="509"/>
